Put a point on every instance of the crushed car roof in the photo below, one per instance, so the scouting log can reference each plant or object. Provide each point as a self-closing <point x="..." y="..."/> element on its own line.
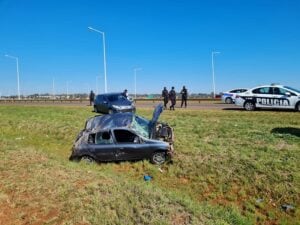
<point x="110" y="121"/>
<point x="117" y="120"/>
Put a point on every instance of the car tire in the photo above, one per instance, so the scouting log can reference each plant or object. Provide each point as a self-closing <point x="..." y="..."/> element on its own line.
<point x="228" y="101"/>
<point x="249" y="106"/>
<point x="298" y="107"/>
<point x="87" y="159"/>
<point x="95" y="109"/>
<point x="158" y="158"/>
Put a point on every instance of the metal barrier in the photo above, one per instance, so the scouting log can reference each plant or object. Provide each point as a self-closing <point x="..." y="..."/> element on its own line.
<point x="77" y="101"/>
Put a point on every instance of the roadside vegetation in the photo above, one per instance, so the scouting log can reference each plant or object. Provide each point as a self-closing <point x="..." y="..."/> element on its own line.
<point x="230" y="167"/>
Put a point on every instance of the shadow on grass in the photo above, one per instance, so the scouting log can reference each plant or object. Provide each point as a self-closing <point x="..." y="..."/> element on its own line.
<point x="234" y="109"/>
<point x="286" y="130"/>
<point x="260" y="109"/>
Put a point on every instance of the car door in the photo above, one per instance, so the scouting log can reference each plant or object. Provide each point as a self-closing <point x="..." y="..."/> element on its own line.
<point x="129" y="145"/>
<point x="283" y="98"/>
<point x="104" y="148"/>
<point x="104" y="104"/>
<point x="263" y="97"/>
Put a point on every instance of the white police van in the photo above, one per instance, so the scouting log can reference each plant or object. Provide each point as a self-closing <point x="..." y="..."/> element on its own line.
<point x="269" y="96"/>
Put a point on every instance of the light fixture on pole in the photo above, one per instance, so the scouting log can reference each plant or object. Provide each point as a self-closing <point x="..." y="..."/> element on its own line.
<point x="213" y="71"/>
<point x="18" y="76"/>
<point x="135" y="69"/>
<point x="104" y="56"/>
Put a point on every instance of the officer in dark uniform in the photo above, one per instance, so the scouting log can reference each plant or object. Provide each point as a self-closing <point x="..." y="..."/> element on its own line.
<point x="92" y="97"/>
<point x="184" y="95"/>
<point x="172" y="96"/>
<point x="165" y="95"/>
<point x="125" y="93"/>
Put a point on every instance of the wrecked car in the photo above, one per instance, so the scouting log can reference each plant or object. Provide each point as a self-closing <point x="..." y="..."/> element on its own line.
<point x="124" y="136"/>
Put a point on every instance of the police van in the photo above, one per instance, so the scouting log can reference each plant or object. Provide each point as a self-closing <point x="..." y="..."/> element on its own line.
<point x="269" y="96"/>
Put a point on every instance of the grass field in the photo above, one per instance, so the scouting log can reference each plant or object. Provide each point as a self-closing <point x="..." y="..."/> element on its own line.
<point x="230" y="167"/>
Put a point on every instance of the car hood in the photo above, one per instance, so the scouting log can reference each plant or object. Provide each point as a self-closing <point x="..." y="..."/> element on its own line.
<point x="156" y="113"/>
<point x="121" y="103"/>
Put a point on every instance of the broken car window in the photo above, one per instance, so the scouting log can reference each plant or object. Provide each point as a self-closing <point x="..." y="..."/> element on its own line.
<point x="125" y="136"/>
<point x="103" y="138"/>
<point x="141" y="126"/>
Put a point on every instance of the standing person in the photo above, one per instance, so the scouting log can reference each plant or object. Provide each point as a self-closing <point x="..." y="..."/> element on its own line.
<point x="172" y="96"/>
<point x="184" y="95"/>
<point x="92" y="97"/>
<point x="165" y="95"/>
<point x="125" y="93"/>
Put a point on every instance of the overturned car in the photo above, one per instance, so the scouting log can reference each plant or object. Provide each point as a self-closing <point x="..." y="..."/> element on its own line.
<point x="124" y="136"/>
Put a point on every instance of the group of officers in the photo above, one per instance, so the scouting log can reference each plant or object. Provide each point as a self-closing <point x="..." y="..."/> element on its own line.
<point x="171" y="95"/>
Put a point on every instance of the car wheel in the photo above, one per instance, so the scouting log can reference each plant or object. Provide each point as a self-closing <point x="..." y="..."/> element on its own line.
<point x="87" y="159"/>
<point x="158" y="158"/>
<point x="110" y="111"/>
<point x="228" y="101"/>
<point x="95" y="109"/>
<point x="298" y="107"/>
<point x="249" y="106"/>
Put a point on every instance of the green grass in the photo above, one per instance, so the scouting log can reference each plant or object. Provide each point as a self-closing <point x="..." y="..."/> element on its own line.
<point x="230" y="167"/>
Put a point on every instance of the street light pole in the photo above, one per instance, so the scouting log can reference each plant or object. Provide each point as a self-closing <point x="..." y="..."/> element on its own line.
<point x="213" y="71"/>
<point x="104" y="56"/>
<point x="135" y="69"/>
<point x="18" y="76"/>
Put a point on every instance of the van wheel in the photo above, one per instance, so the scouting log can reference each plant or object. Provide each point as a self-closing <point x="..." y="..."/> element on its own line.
<point x="158" y="158"/>
<point x="249" y="106"/>
<point x="228" y="101"/>
<point x="87" y="159"/>
<point x="95" y="109"/>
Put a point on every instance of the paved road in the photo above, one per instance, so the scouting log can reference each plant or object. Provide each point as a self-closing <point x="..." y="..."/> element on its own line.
<point x="218" y="106"/>
<point x="191" y="105"/>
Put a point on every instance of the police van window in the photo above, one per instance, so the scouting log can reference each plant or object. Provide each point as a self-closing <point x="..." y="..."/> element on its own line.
<point x="264" y="90"/>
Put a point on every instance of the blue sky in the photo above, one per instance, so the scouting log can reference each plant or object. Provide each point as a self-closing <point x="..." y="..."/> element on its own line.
<point x="171" y="41"/>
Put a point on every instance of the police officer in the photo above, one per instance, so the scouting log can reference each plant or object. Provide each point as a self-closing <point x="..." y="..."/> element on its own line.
<point x="172" y="96"/>
<point x="92" y="97"/>
<point x="125" y="93"/>
<point x="165" y="95"/>
<point x="184" y="95"/>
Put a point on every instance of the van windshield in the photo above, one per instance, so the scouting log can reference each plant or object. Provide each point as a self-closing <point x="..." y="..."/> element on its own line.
<point x="114" y="98"/>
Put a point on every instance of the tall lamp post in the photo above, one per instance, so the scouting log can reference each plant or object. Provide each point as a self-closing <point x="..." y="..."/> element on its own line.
<point x="18" y="76"/>
<point x="213" y="71"/>
<point x="104" y="56"/>
<point x="135" y="69"/>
